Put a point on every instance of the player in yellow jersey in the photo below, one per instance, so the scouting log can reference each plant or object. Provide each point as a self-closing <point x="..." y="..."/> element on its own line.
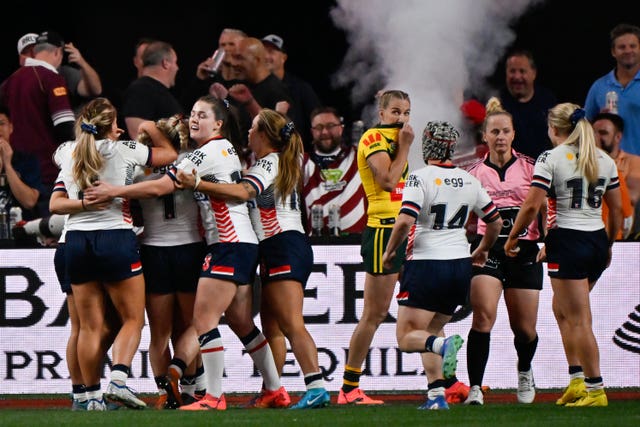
<point x="382" y="163"/>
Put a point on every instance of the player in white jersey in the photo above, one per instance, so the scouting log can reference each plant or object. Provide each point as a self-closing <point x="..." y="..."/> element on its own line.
<point x="229" y="267"/>
<point x="575" y="176"/>
<point x="436" y="205"/>
<point x="100" y="246"/>
<point x="112" y="321"/>
<point x="171" y="250"/>
<point x="271" y="186"/>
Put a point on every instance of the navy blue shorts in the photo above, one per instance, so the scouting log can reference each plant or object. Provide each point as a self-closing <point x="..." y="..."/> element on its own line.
<point x="171" y="269"/>
<point x="286" y="256"/>
<point x="101" y="255"/>
<point x="520" y="272"/>
<point x="435" y="285"/>
<point x="574" y="254"/>
<point x="235" y="262"/>
<point x="61" y="273"/>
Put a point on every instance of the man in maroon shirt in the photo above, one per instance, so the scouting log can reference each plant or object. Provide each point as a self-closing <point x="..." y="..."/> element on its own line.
<point x="41" y="112"/>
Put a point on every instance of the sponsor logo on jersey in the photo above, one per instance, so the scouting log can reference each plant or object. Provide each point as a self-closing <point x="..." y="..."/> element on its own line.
<point x="371" y="138"/>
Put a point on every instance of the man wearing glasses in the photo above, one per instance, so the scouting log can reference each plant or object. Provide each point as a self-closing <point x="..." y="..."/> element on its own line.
<point x="331" y="177"/>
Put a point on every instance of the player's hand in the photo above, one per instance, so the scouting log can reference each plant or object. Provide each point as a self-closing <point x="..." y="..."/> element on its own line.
<point x="511" y="248"/>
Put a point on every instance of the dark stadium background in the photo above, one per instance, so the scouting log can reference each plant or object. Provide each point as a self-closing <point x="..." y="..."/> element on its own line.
<point x="568" y="38"/>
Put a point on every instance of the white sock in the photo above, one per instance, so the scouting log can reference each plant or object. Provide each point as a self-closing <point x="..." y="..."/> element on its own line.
<point x="260" y="352"/>
<point x="97" y="394"/>
<point x="119" y="377"/>
<point x="577" y="375"/>
<point x="435" y="392"/>
<point x="437" y="345"/>
<point x="80" y="397"/>
<point x="315" y="383"/>
<point x="213" y="362"/>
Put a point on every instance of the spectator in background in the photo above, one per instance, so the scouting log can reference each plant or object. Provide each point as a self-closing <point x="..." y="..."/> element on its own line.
<point x="149" y="97"/>
<point x="228" y="41"/>
<point x="302" y="93"/>
<point x="260" y="88"/>
<point x="138" y="53"/>
<point x="528" y="103"/>
<point x="21" y="184"/>
<point x="25" y="47"/>
<point x="330" y="173"/>
<point x="83" y="81"/>
<point x="226" y="76"/>
<point x="42" y="117"/>
<point x="609" y="128"/>
<point x="624" y="81"/>
<point x="20" y="181"/>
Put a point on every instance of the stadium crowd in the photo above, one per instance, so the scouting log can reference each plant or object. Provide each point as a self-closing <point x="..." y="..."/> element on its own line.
<point x="168" y="203"/>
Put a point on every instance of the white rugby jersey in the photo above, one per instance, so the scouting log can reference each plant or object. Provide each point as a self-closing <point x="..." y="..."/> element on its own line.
<point x="120" y="159"/>
<point x="59" y="185"/>
<point x="169" y="220"/>
<point x="573" y="202"/>
<point x="223" y="220"/>
<point x="270" y="214"/>
<point x="441" y="197"/>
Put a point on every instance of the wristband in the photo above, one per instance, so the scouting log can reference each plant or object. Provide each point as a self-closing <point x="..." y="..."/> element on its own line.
<point x="84" y="208"/>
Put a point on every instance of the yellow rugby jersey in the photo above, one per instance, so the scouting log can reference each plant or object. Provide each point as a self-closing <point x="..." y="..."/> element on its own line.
<point x="383" y="205"/>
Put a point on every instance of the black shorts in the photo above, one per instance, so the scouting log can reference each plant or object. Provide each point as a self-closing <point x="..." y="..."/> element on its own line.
<point x="574" y="254"/>
<point x="286" y="256"/>
<point x="520" y="272"/>
<point x="435" y="285"/>
<point x="171" y="269"/>
<point x="374" y="242"/>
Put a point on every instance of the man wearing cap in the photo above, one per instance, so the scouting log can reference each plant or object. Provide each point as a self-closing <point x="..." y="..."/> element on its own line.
<point x="38" y="99"/>
<point x="83" y="81"/>
<point x="302" y="93"/>
<point x="26" y="44"/>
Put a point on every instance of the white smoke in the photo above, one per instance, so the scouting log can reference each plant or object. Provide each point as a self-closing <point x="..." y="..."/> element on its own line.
<point x="432" y="49"/>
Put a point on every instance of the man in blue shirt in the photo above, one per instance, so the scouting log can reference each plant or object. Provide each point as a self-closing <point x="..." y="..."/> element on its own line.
<point x="624" y="80"/>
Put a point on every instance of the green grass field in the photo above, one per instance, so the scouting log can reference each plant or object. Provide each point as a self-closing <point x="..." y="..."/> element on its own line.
<point x="618" y="413"/>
